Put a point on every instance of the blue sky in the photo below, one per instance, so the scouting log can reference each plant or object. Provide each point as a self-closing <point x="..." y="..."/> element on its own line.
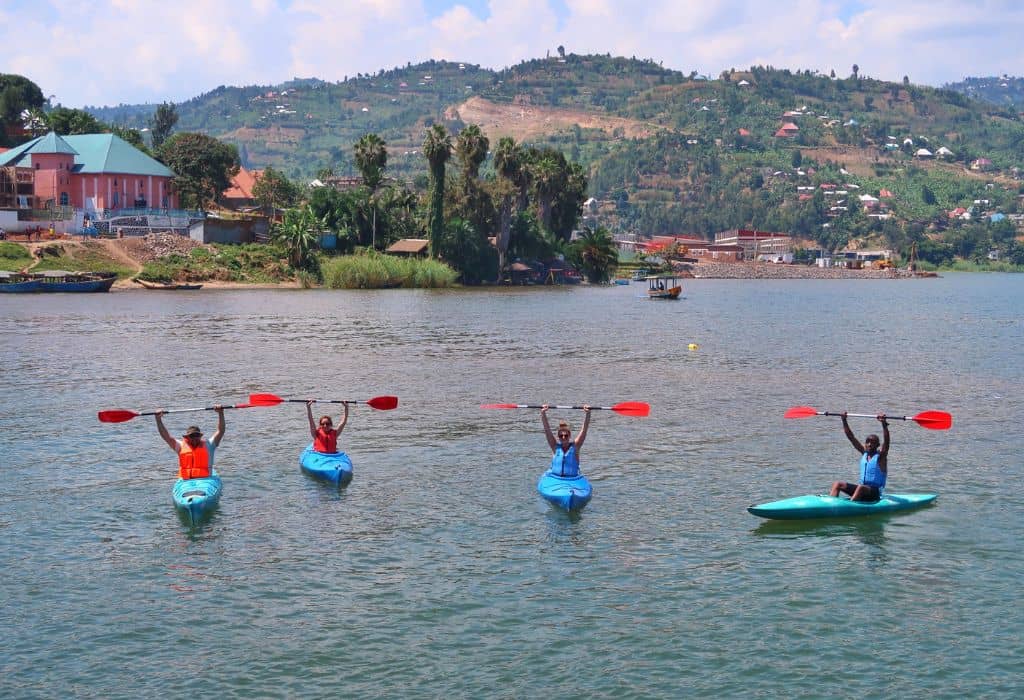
<point x="108" y="52"/>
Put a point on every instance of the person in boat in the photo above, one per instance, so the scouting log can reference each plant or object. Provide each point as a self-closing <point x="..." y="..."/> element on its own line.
<point x="565" y="460"/>
<point x="874" y="464"/>
<point x="325" y="436"/>
<point x="195" y="454"/>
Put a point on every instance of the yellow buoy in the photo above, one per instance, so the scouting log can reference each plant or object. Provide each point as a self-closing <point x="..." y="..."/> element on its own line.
<point x="692" y="346"/>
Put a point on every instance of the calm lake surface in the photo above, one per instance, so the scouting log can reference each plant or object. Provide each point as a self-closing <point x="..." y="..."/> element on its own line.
<point x="439" y="571"/>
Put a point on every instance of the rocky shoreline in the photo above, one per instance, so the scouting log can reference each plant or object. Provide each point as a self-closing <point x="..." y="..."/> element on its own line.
<point x="740" y="271"/>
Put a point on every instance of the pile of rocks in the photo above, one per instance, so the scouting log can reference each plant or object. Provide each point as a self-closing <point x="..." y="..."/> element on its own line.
<point x="157" y="245"/>
<point x="739" y="271"/>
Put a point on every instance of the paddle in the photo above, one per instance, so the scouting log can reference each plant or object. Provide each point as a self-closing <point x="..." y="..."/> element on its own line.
<point x="120" y="415"/>
<point x="626" y="408"/>
<point x="933" y="420"/>
<point x="381" y="403"/>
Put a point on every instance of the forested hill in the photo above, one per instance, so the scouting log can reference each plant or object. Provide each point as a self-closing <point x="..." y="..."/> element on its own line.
<point x="666" y="152"/>
<point x="1004" y="90"/>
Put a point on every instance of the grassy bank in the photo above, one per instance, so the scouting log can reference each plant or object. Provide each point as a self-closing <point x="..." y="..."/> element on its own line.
<point x="13" y="256"/>
<point x="375" y="271"/>
<point x="248" y="264"/>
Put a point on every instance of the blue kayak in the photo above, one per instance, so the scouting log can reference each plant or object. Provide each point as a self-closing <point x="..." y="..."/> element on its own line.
<point x="335" y="468"/>
<point x="808" y="507"/>
<point x="566" y="492"/>
<point x="195" y="499"/>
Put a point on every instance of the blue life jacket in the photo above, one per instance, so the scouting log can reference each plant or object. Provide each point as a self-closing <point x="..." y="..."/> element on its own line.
<point x="565" y="463"/>
<point x="870" y="473"/>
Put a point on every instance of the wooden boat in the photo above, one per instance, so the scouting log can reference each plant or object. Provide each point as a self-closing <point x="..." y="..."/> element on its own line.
<point x="56" y="281"/>
<point x="161" y="285"/>
<point x="663" y="287"/>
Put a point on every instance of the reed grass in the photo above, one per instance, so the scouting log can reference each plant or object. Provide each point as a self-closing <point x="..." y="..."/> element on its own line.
<point x="370" y="270"/>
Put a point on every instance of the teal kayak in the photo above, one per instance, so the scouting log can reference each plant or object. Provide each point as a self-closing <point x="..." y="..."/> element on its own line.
<point x="566" y="492"/>
<point x="335" y="468"/>
<point x="195" y="499"/>
<point x="808" y="507"/>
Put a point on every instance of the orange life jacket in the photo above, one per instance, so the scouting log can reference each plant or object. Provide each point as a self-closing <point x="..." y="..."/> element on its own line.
<point x="326" y="441"/>
<point x="193" y="463"/>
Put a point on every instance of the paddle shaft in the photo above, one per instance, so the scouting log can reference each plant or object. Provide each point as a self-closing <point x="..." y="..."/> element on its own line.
<point x="864" y="415"/>
<point x="320" y="401"/>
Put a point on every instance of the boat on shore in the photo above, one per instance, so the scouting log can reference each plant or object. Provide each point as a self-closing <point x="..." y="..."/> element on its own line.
<point x="663" y="287"/>
<point x="639" y="275"/>
<point x="56" y="281"/>
<point x="160" y="285"/>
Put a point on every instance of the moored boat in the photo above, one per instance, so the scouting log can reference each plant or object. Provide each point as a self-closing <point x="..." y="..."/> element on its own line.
<point x="335" y="468"/>
<point x="663" y="287"/>
<point x="160" y="285"/>
<point x="56" y="281"/>
<point x="195" y="499"/>
<point x="822" y="506"/>
<point x="570" y="493"/>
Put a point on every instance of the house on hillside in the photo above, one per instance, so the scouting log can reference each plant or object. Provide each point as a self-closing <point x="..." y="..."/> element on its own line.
<point x="92" y="172"/>
<point x="981" y="164"/>
<point x="923" y="153"/>
<point x="787" y="130"/>
<point x="239" y="194"/>
<point x="944" y="152"/>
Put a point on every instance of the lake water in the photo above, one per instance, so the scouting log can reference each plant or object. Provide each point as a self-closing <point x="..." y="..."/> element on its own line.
<point x="439" y="571"/>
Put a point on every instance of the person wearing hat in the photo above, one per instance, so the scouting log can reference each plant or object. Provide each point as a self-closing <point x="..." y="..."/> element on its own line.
<point x="195" y="454"/>
<point x="565" y="460"/>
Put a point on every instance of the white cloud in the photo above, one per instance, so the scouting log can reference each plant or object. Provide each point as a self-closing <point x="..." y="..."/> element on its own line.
<point x="112" y="51"/>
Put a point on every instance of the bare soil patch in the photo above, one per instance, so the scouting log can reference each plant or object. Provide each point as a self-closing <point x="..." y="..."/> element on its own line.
<point x="525" y="122"/>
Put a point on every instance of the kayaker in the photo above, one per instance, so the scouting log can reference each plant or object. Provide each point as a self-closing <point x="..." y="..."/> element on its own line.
<point x="325" y="437"/>
<point x="874" y="464"/>
<point x="566" y="458"/>
<point x="195" y="454"/>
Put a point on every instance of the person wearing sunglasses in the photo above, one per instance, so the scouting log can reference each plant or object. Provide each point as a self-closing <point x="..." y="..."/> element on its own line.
<point x="325" y="435"/>
<point x="565" y="460"/>
<point x="874" y="464"/>
<point x="195" y="453"/>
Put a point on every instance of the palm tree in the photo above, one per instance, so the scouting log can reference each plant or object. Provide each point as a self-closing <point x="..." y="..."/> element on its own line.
<point x="300" y="234"/>
<point x="371" y="159"/>
<point x="548" y="180"/>
<point x="508" y="163"/>
<point x="595" y="253"/>
<point x="437" y="149"/>
<point x="471" y="148"/>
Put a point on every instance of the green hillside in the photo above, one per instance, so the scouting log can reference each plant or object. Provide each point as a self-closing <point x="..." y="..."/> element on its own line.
<point x="703" y="156"/>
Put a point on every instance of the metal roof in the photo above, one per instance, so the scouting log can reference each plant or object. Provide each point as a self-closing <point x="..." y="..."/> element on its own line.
<point x="94" y="154"/>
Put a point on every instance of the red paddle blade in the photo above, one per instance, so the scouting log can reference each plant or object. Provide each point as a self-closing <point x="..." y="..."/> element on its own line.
<point x="499" y="405"/>
<point x="934" y="420"/>
<point x="264" y="400"/>
<point x="632" y="408"/>
<point x="116" y="416"/>
<point x="383" y="403"/>
<point x="801" y="412"/>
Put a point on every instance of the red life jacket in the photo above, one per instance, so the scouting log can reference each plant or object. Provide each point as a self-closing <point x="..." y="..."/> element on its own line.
<point x="326" y="441"/>
<point x="193" y="463"/>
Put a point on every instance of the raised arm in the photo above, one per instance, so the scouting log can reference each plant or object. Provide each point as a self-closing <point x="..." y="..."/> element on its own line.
<point x="583" y="431"/>
<point x="171" y="442"/>
<point x="343" y="419"/>
<point x="883" y="451"/>
<point x="850" y="436"/>
<point x="220" y="426"/>
<point x="309" y="414"/>
<point x="547" y="427"/>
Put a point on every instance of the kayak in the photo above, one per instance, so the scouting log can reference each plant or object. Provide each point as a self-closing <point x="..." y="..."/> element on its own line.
<point x="335" y="468"/>
<point x="808" y="507"/>
<point x="567" y="492"/>
<point x="195" y="499"/>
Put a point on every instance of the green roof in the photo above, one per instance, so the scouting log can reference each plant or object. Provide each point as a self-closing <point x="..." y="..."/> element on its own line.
<point x="94" y="154"/>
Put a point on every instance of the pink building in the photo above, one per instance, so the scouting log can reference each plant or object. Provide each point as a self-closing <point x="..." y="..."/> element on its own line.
<point x="93" y="172"/>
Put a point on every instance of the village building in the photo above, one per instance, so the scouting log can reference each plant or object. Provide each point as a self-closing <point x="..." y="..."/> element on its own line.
<point x="95" y="173"/>
<point x="239" y="194"/>
<point x="757" y="244"/>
